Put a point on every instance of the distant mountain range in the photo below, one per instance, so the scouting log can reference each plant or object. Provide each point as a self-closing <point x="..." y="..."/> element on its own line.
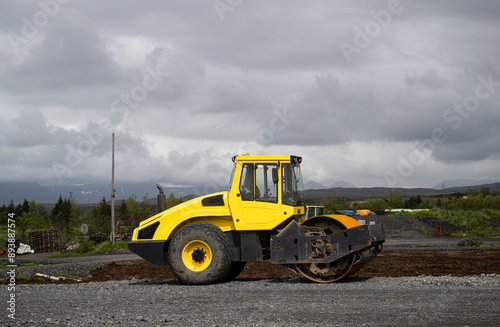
<point x="93" y="193"/>
<point x="312" y="185"/>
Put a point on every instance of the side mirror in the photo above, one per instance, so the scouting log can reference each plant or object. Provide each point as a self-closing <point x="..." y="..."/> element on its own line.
<point x="275" y="175"/>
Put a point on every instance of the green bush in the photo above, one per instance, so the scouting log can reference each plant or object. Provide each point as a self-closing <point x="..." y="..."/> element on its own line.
<point x="105" y="247"/>
<point x="484" y="222"/>
<point x="85" y="246"/>
<point x="122" y="245"/>
<point x="422" y="213"/>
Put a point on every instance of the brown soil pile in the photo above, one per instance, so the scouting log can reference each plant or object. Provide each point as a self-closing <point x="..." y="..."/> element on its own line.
<point x="433" y="263"/>
<point x="387" y="264"/>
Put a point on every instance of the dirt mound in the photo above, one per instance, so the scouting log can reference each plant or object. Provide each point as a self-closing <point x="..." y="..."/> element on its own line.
<point x="448" y="228"/>
<point x="406" y="226"/>
<point x="387" y="264"/>
<point x="433" y="263"/>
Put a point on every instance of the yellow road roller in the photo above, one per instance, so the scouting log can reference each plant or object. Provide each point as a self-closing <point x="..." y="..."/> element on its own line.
<point x="261" y="216"/>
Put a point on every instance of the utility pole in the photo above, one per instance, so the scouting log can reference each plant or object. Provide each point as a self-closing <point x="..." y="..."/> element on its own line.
<point x="113" y="189"/>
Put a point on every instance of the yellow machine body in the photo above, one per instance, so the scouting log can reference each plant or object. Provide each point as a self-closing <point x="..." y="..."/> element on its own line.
<point x="228" y="210"/>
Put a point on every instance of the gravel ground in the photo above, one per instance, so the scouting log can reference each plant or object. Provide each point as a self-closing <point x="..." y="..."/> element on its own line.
<point x="402" y="301"/>
<point x="405" y="301"/>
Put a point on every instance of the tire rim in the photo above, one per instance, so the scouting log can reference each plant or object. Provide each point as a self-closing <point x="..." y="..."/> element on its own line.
<point x="197" y="255"/>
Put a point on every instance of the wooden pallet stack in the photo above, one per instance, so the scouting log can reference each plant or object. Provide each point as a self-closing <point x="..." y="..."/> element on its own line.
<point x="48" y="240"/>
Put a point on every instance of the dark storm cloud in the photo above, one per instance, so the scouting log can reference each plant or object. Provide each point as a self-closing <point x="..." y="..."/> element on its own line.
<point x="70" y="55"/>
<point x="267" y="75"/>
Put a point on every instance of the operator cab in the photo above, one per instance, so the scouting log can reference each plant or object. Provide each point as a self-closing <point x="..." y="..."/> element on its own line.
<point x="259" y="181"/>
<point x="265" y="191"/>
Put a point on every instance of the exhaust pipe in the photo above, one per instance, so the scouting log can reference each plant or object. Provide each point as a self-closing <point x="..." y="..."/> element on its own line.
<point x="162" y="199"/>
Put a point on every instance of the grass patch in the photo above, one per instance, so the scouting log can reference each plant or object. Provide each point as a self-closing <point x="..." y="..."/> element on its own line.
<point x="423" y="230"/>
<point x="3" y="237"/>
<point x="122" y="244"/>
<point x="89" y="248"/>
<point x="106" y="247"/>
<point x="29" y="264"/>
<point x="23" y="275"/>
<point x="85" y="246"/>
<point x="71" y="254"/>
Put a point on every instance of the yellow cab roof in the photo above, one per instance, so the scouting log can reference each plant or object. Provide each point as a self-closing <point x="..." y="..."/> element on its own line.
<point x="259" y="158"/>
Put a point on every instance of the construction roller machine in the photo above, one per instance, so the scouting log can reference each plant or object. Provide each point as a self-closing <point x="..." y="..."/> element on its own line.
<point x="261" y="216"/>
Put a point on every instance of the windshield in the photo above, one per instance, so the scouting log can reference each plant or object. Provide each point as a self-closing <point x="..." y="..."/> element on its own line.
<point x="293" y="187"/>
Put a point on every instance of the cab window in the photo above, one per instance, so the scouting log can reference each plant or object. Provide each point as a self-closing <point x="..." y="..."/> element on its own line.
<point x="246" y="182"/>
<point x="266" y="183"/>
<point x="259" y="182"/>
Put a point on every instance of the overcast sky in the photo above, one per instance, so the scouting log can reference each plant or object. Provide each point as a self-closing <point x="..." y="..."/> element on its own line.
<point x="377" y="93"/>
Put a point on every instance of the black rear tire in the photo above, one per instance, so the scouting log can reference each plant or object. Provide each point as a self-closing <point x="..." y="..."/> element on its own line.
<point x="200" y="254"/>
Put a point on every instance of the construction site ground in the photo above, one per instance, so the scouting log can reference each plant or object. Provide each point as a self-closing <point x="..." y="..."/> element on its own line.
<point x="411" y="283"/>
<point x="431" y="256"/>
<point x="410" y="249"/>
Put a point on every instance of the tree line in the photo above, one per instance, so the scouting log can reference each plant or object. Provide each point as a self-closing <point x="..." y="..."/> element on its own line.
<point x="67" y="216"/>
<point x="475" y="199"/>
